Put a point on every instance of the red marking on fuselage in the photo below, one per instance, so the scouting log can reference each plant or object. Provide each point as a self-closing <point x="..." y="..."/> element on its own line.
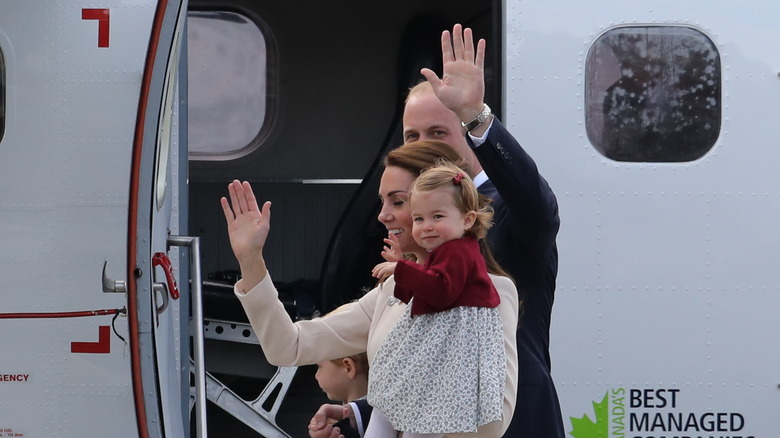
<point x="103" y="18"/>
<point x="102" y="346"/>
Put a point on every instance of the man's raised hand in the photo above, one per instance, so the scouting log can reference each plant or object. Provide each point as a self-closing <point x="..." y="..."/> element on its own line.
<point x="462" y="85"/>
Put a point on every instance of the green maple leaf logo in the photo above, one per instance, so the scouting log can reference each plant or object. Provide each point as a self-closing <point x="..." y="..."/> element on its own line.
<point x="585" y="428"/>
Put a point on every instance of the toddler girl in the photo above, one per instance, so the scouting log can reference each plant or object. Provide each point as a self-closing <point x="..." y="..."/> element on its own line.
<point x="442" y="367"/>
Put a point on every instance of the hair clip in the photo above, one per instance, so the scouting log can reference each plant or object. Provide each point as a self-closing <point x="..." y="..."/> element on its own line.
<point x="457" y="178"/>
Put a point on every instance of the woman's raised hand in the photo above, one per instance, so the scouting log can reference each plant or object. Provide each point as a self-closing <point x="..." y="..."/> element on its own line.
<point x="248" y="229"/>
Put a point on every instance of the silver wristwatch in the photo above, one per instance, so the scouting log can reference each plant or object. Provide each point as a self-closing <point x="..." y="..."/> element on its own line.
<point x="480" y="119"/>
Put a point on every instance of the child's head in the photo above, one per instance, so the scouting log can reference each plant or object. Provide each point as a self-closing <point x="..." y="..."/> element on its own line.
<point x="446" y="206"/>
<point x="344" y="379"/>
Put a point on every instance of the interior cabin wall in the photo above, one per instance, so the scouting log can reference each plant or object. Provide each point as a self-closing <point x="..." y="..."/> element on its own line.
<point x="337" y="84"/>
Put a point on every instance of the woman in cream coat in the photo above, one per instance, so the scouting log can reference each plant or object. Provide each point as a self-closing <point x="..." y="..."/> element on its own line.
<point x="362" y="325"/>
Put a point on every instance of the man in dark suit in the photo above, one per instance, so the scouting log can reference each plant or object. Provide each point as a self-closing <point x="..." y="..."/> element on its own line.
<point x="451" y="109"/>
<point x="526" y="213"/>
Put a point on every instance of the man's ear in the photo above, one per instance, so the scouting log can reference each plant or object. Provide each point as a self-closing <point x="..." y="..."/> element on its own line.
<point x="349" y="366"/>
<point x="469" y="219"/>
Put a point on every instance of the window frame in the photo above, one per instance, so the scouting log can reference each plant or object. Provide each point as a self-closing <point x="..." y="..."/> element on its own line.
<point x="271" y="89"/>
<point x="659" y="126"/>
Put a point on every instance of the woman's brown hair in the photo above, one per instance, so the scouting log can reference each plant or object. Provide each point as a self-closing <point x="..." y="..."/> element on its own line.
<point x="420" y="155"/>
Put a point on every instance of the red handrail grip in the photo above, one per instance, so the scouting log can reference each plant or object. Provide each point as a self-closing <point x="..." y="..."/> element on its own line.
<point x="161" y="259"/>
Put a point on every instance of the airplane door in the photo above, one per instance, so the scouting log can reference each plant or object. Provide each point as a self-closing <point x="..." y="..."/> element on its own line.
<point x="170" y="335"/>
<point x="158" y="304"/>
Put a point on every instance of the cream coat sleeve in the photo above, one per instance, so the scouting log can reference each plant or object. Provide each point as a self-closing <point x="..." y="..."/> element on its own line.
<point x="305" y="342"/>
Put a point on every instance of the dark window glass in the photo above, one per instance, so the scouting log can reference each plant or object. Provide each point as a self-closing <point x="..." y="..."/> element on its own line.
<point x="653" y="94"/>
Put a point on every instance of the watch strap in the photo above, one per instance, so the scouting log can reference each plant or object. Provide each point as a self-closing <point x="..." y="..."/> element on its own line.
<point x="478" y="120"/>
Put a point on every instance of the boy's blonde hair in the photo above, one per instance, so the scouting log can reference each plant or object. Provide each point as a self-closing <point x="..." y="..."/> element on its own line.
<point x="360" y="360"/>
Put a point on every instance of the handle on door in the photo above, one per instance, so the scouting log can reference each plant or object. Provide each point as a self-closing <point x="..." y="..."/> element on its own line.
<point x="161" y="259"/>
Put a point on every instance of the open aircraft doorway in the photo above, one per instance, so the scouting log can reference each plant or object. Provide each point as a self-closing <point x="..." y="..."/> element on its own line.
<point x="319" y="88"/>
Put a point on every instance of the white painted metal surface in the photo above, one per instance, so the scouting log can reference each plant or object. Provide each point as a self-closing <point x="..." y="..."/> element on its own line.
<point x="667" y="286"/>
<point x="63" y="103"/>
<point x="73" y="77"/>
<point x="667" y="276"/>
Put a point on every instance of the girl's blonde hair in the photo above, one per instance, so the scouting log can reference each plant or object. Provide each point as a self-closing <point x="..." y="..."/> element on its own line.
<point x="445" y="175"/>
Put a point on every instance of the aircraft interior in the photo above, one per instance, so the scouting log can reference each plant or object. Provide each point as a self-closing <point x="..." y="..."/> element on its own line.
<point x="302" y="100"/>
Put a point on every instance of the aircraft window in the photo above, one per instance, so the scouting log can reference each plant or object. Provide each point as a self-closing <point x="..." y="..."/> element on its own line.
<point x="165" y="128"/>
<point x="227" y="98"/>
<point x="2" y="96"/>
<point x="653" y="94"/>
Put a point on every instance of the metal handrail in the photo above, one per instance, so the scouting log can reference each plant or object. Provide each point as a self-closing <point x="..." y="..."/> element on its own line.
<point x="197" y="328"/>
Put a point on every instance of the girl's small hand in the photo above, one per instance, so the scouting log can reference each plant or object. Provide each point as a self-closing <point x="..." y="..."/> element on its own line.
<point x="392" y="252"/>
<point x="383" y="270"/>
